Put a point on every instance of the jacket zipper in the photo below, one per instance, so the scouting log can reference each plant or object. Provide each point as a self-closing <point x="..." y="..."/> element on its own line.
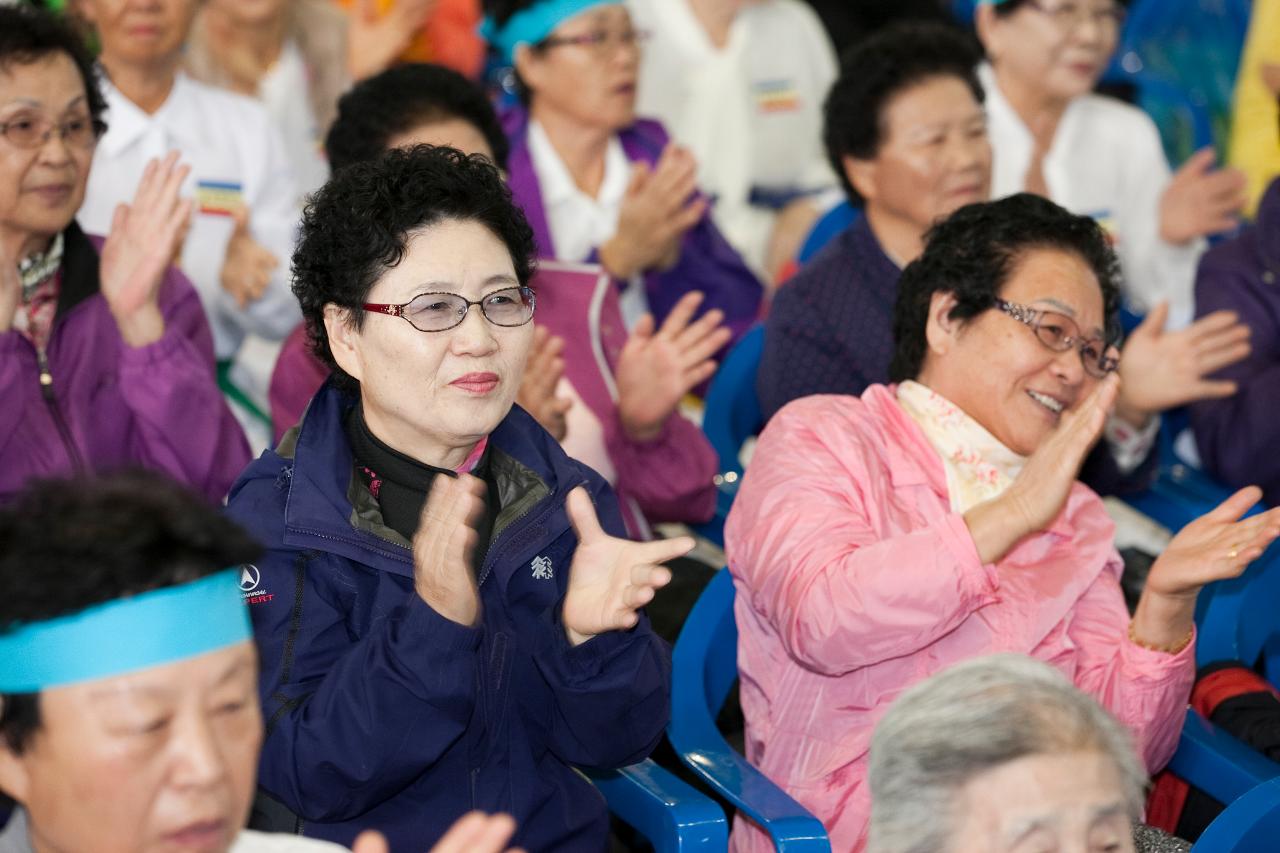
<point x="51" y="400"/>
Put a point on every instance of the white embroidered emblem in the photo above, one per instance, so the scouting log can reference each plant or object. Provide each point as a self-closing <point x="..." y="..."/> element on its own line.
<point x="542" y="569"/>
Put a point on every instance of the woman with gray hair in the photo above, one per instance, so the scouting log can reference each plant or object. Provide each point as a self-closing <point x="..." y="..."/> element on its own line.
<point x="1003" y="754"/>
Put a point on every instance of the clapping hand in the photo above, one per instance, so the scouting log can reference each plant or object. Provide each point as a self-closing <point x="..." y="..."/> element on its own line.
<point x="444" y="547"/>
<point x="656" y="369"/>
<point x="1161" y="370"/>
<point x="1041" y="488"/>
<point x="1200" y="200"/>
<point x="611" y="578"/>
<point x="474" y="832"/>
<point x="1215" y="546"/>
<point x="374" y="41"/>
<point x="537" y="394"/>
<point x="140" y="247"/>
<point x="247" y="265"/>
<point x="656" y="213"/>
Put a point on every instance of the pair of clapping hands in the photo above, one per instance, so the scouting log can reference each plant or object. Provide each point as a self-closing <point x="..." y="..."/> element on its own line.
<point x="656" y="368"/>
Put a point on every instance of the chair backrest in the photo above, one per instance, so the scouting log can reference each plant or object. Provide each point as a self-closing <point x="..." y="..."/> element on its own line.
<point x="732" y="412"/>
<point x="1249" y="825"/>
<point x="704" y="667"/>
<point x="826" y="228"/>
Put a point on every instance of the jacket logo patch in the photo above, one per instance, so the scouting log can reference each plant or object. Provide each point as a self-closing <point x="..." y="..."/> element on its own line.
<point x="251" y="585"/>
<point x="542" y="569"/>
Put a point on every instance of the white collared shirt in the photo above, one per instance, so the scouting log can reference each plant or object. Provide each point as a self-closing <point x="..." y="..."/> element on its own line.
<point x="578" y="222"/>
<point x="282" y="91"/>
<point x="750" y="111"/>
<point x="1106" y="162"/>
<point x="235" y="155"/>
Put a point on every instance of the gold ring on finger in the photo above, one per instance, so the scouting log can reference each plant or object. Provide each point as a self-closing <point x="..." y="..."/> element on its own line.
<point x="1234" y="552"/>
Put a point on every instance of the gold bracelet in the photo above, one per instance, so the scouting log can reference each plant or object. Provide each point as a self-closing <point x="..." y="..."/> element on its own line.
<point x="1172" y="650"/>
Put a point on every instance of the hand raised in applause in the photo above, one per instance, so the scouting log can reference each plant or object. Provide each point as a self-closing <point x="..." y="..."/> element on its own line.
<point x="611" y="578"/>
<point x="537" y="394"/>
<point x="444" y="548"/>
<point x="657" y="210"/>
<point x="1200" y="200"/>
<point x="247" y="265"/>
<point x="474" y="832"/>
<point x="656" y="369"/>
<point x="140" y="246"/>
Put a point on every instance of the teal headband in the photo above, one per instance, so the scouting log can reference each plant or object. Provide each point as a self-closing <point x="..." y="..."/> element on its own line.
<point x="126" y="635"/>
<point x="532" y="25"/>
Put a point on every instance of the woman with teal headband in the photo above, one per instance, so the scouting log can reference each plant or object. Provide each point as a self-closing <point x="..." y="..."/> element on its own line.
<point x="597" y="183"/>
<point x="129" y="716"/>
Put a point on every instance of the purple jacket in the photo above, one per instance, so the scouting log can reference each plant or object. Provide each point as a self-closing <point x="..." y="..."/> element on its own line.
<point x="707" y="262"/>
<point x="1238" y="437"/>
<point x="667" y="479"/>
<point x="112" y="405"/>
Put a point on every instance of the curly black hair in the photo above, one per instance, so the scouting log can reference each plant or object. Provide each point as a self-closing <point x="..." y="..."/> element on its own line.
<point x="28" y="34"/>
<point x="971" y="255"/>
<point x="405" y="97"/>
<point x="66" y="545"/>
<point x="357" y="226"/>
<point x="877" y="69"/>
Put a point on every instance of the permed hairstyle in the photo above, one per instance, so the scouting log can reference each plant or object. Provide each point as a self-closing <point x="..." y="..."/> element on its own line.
<point x="879" y="68"/>
<point x="973" y="717"/>
<point x="68" y="545"/>
<point x="358" y="225"/>
<point x="28" y="34"/>
<point x="971" y="255"/>
<point x="403" y="98"/>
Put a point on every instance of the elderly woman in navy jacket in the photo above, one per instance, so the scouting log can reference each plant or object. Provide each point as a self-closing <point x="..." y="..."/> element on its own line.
<point x="445" y="616"/>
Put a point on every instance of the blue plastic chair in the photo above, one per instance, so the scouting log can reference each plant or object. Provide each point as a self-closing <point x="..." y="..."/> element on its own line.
<point x="830" y="224"/>
<point x="704" y="667"/>
<point x="1249" y="825"/>
<point x="1217" y="763"/>
<point x="730" y="416"/>
<point x="671" y="814"/>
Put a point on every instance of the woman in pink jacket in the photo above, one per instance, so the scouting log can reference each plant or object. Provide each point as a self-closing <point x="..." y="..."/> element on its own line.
<point x="877" y="539"/>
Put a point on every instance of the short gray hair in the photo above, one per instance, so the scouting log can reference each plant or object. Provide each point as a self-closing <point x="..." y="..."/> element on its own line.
<point x="973" y="717"/>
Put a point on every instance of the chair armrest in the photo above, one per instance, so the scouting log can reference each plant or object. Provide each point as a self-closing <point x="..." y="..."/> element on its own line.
<point x="701" y="746"/>
<point x="1217" y="763"/>
<point x="672" y="815"/>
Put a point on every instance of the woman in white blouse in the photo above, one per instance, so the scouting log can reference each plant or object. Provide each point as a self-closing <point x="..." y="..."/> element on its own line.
<point x="1095" y="155"/>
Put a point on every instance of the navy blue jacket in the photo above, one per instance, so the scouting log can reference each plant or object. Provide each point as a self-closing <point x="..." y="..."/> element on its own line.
<point x="830" y="331"/>
<point x="381" y="713"/>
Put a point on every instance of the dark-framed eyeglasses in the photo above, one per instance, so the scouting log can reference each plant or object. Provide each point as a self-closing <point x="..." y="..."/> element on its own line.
<point x="601" y="42"/>
<point x="27" y="131"/>
<point x="439" y="312"/>
<point x="1060" y="333"/>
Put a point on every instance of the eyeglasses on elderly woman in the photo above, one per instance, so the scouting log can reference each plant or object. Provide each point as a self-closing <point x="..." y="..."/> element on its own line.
<point x="1060" y="333"/>
<point x="440" y="312"/>
<point x="32" y="131"/>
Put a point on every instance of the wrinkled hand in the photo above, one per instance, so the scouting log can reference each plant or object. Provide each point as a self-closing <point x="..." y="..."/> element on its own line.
<point x="656" y="213"/>
<point x="1041" y="488"/>
<point x="610" y="578"/>
<point x="247" y="265"/>
<point x="139" y="248"/>
<point x="474" y="832"/>
<point x="1215" y="546"/>
<point x="374" y="41"/>
<point x="537" y="394"/>
<point x="656" y="370"/>
<point x="444" y="547"/>
<point x="1200" y="200"/>
<point x="1160" y="370"/>
<point x="10" y="290"/>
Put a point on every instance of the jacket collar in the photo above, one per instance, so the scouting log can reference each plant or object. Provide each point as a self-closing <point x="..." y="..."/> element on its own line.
<point x="179" y="118"/>
<point x="911" y="459"/>
<point x="330" y="509"/>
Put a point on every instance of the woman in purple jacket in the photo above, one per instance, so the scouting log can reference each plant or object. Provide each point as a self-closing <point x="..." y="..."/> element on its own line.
<point x="598" y="184"/>
<point x="105" y="354"/>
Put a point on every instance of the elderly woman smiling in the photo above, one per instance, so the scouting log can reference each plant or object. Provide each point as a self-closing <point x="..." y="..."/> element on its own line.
<point x="877" y="539"/>
<point x="105" y="355"/>
<point x="444" y="622"/>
